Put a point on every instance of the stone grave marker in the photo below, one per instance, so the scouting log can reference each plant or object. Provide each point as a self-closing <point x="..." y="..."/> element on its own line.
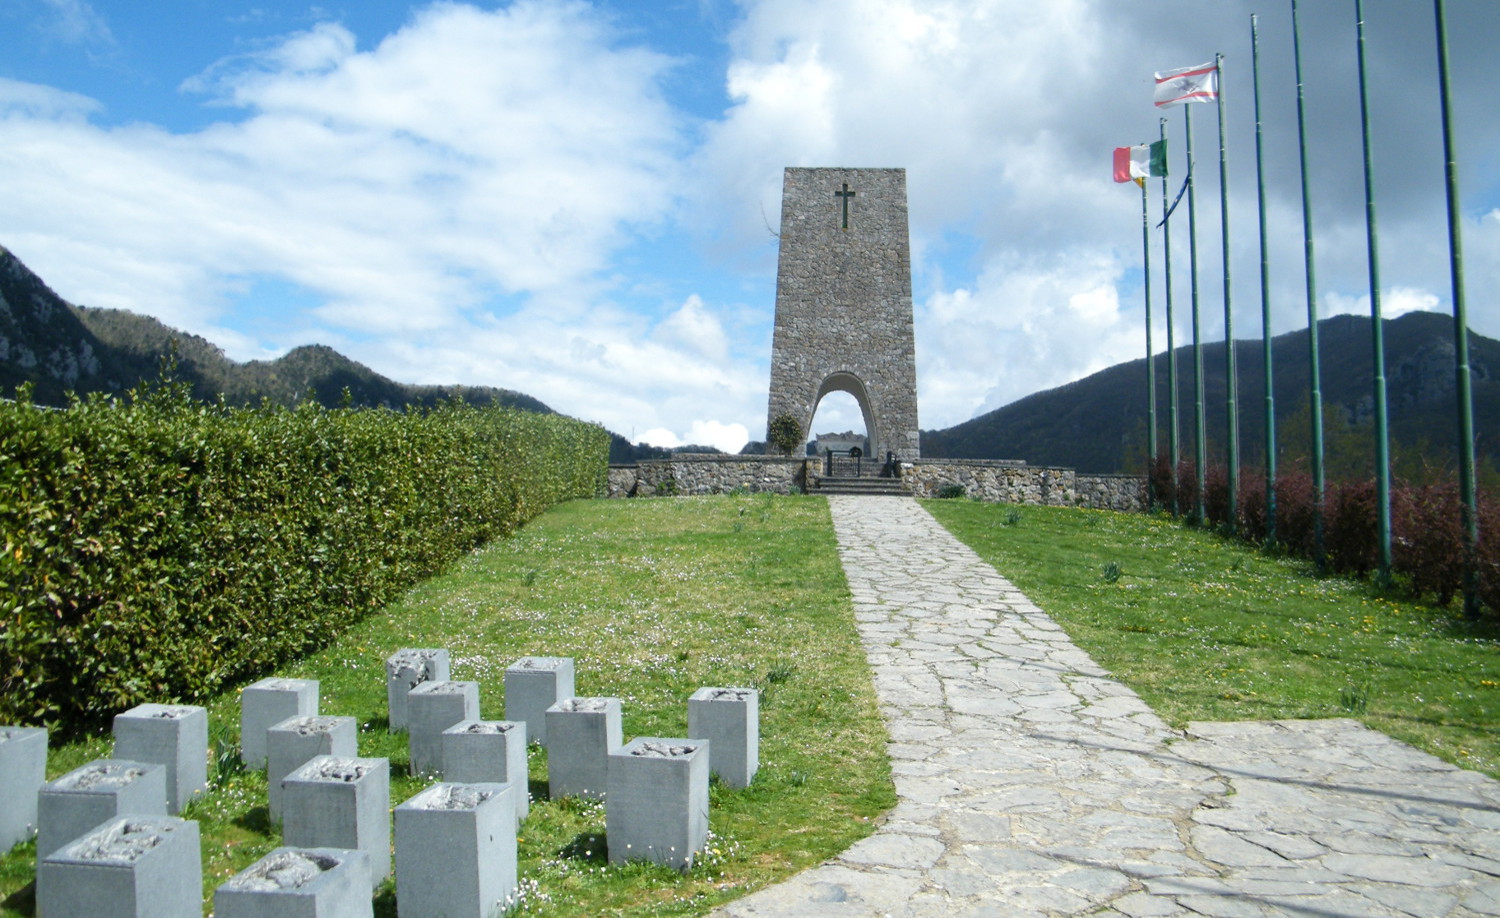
<point x="657" y="806"/>
<point x="456" y="851"/>
<point x="534" y="684"/>
<point x="729" y="718"/>
<point x="93" y="794"/>
<point x="23" y="770"/>
<point x="488" y="752"/>
<point x="300" y="739"/>
<point x="174" y="735"/>
<point x="405" y="670"/>
<point x="431" y="708"/>
<point x="269" y="702"/>
<point x="135" y="866"/>
<point x="339" y="802"/>
<point x="299" y="883"/>
<point x="583" y="731"/>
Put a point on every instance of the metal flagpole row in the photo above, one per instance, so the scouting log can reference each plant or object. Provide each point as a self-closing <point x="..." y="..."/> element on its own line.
<point x="1200" y="444"/>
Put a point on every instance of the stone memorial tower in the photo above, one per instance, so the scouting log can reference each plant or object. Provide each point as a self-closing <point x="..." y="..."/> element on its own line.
<point x="843" y="303"/>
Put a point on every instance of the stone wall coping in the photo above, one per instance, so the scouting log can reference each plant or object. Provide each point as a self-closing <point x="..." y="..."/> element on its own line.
<point x="713" y="457"/>
<point x="988" y="464"/>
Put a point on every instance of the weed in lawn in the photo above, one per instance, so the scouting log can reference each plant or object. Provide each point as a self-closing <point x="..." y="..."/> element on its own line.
<point x="1111" y="572"/>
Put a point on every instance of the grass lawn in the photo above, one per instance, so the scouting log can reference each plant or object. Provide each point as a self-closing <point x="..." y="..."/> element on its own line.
<point x="1207" y="629"/>
<point x="653" y="599"/>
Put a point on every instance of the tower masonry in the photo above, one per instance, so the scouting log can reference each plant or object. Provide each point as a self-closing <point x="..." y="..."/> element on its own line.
<point x="843" y="303"/>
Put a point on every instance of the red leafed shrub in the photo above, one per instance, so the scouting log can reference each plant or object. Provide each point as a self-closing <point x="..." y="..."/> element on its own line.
<point x="1252" y="520"/>
<point x="1350" y="528"/>
<point x="1427" y="539"/>
<point x="1489" y="553"/>
<point x="1216" y="494"/>
<point x="1296" y="512"/>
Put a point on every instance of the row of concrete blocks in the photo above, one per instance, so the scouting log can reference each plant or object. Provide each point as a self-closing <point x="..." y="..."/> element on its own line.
<point x="455" y="855"/>
<point x="160" y="751"/>
<point x="539" y="692"/>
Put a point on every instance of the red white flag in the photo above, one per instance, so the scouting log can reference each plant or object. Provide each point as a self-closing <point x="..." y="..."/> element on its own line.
<point x="1132" y="163"/>
<point x="1189" y="84"/>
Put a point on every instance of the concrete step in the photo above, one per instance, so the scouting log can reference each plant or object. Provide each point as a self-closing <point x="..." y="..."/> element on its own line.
<point x="877" y="486"/>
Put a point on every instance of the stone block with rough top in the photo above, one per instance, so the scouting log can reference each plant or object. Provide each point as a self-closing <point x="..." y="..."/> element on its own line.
<point x="729" y="718"/>
<point x="657" y="807"/>
<point x="299" y="883"/>
<point x="93" y="794"/>
<point x="405" y="670"/>
<point x="534" y="684"/>
<point x="488" y="752"/>
<point x="300" y="739"/>
<point x="431" y="708"/>
<point x="23" y="770"/>
<point x="130" y="867"/>
<point x="266" y="703"/>
<point x="456" y="851"/>
<point x="583" y="732"/>
<point x="174" y="735"/>
<point x="339" y="802"/>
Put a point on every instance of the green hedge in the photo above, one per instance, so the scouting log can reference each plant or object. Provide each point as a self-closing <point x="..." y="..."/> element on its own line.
<point x="162" y="549"/>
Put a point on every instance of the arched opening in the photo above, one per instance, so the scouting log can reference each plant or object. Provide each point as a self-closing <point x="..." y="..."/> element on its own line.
<point x="842" y="419"/>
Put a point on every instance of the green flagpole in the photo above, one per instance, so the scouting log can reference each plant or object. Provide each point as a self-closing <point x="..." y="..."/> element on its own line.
<point x="1265" y="293"/>
<point x="1315" y="376"/>
<point x="1231" y="377"/>
<point x="1466" y="482"/>
<point x="1173" y="436"/>
<point x="1200" y="441"/>
<point x="1150" y="354"/>
<point x="1377" y="334"/>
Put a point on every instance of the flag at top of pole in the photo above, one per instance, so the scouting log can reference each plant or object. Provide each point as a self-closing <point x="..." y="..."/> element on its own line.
<point x="1140" y="161"/>
<point x="1189" y="84"/>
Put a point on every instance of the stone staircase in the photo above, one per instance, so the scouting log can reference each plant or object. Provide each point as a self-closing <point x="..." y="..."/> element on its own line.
<point x="891" y="487"/>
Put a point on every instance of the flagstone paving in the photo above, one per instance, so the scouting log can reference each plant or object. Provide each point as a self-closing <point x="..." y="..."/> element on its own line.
<point x="1031" y="783"/>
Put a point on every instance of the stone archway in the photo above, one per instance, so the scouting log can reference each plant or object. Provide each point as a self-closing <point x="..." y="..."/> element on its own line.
<point x="843" y="303"/>
<point x="851" y="385"/>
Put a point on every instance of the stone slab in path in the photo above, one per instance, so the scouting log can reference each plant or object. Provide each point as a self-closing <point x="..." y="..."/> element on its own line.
<point x="1031" y="783"/>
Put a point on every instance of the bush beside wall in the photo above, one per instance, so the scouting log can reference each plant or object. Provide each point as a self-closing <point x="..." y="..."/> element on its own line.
<point x="162" y="549"/>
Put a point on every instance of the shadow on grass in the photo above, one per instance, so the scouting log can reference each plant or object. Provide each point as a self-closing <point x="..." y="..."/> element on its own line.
<point x="256" y="819"/>
<point x="592" y="847"/>
<point x="22" y="900"/>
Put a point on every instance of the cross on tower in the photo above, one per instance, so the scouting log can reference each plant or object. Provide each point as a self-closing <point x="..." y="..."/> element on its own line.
<point x="845" y="195"/>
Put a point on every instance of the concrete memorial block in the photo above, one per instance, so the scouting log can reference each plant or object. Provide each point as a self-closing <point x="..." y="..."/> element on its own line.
<point x="729" y="718"/>
<point x="340" y="802"/>
<point x="174" y="735"/>
<point x="657" y="808"/>
<point x="583" y="732"/>
<point x="93" y="794"/>
<point x="297" y="740"/>
<point x="23" y="770"/>
<point x="456" y="852"/>
<point x="405" y="670"/>
<point x="267" y="703"/>
<point x="130" y="867"/>
<point x="488" y="752"/>
<point x="534" y="684"/>
<point x="431" y="708"/>
<point x="299" y="883"/>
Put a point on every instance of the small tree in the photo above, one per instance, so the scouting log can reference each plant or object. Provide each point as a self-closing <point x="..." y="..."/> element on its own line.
<point x="785" y="433"/>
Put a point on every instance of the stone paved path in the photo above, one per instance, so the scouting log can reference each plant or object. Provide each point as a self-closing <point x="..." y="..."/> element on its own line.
<point x="1031" y="783"/>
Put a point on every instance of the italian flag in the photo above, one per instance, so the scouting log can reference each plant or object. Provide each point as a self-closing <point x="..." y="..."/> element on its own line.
<point x="1140" y="161"/>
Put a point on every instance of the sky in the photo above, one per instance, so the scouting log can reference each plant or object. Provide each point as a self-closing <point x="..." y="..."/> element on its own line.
<point x="579" y="200"/>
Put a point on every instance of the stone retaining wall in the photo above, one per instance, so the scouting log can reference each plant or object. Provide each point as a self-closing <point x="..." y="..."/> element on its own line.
<point x="986" y="480"/>
<point x="707" y="473"/>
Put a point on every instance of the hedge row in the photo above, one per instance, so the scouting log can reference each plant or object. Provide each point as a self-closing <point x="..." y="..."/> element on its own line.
<point x="1426" y="525"/>
<point x="162" y="549"/>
